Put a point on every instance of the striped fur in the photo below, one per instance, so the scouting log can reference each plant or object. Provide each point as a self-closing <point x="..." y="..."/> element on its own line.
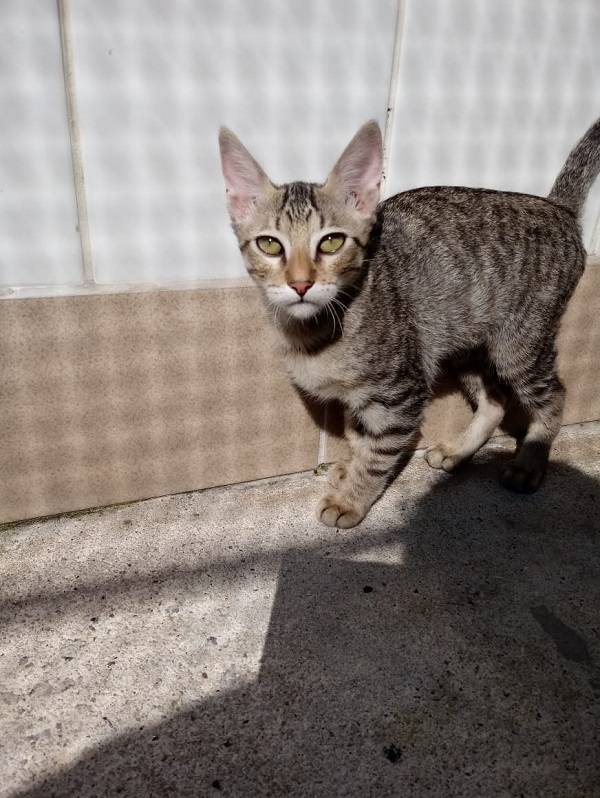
<point x="435" y="280"/>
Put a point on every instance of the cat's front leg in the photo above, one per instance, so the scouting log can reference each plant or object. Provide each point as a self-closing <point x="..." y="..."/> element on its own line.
<point x="379" y="437"/>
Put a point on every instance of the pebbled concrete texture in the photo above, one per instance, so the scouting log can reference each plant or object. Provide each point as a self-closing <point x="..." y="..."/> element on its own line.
<point x="225" y="643"/>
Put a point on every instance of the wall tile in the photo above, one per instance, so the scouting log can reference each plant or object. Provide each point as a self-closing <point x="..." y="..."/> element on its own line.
<point x="495" y="94"/>
<point x="114" y="398"/>
<point x="156" y="79"/>
<point x="39" y="242"/>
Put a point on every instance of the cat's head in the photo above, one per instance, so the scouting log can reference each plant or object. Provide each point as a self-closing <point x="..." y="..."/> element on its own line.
<point x="304" y="243"/>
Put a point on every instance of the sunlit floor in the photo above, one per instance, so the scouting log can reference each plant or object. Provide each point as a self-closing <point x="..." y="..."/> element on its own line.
<point x="224" y="642"/>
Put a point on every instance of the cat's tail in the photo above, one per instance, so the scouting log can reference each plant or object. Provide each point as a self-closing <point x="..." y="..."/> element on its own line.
<point x="581" y="169"/>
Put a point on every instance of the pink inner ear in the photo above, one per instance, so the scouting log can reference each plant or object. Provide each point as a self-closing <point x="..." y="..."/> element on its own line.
<point x="359" y="169"/>
<point x="244" y="178"/>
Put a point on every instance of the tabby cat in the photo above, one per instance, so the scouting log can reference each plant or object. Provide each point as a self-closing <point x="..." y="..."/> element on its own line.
<point x="372" y="303"/>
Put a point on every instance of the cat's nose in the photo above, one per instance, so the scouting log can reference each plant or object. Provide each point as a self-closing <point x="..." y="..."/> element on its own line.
<point x="300" y="287"/>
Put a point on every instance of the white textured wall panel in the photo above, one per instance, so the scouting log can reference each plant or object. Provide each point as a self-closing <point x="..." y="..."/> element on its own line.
<point x="489" y="94"/>
<point x="495" y="93"/>
<point x="39" y="243"/>
<point x="156" y="79"/>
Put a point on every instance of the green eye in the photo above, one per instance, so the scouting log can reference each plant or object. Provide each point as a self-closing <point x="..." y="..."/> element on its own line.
<point x="268" y="245"/>
<point x="331" y="243"/>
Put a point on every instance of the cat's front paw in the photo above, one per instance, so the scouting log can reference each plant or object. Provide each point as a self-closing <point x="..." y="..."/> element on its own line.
<point x="520" y="478"/>
<point x="337" y="511"/>
<point x="441" y="456"/>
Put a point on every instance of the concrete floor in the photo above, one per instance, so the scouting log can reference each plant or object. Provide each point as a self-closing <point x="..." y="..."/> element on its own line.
<point x="225" y="643"/>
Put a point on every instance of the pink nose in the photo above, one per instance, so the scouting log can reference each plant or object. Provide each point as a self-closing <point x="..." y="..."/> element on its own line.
<point x="300" y="287"/>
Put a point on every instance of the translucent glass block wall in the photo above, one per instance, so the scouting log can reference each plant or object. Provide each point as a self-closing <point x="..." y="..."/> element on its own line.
<point x="488" y="93"/>
<point x="39" y="240"/>
<point x="495" y="94"/>
<point x="156" y="79"/>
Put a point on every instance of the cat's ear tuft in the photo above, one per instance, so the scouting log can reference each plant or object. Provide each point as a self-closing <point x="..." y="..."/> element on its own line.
<point x="359" y="169"/>
<point x="245" y="181"/>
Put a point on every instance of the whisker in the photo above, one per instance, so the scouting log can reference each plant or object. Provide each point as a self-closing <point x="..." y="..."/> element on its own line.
<point x="341" y="305"/>
<point x="330" y="312"/>
<point x="276" y="309"/>
<point x="341" y="292"/>
<point x="331" y="308"/>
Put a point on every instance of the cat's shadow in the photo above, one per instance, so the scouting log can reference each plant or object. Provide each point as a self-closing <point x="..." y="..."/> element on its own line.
<point x="415" y="652"/>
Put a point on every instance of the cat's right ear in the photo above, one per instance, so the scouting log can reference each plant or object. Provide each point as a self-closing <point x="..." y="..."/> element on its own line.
<point x="244" y="178"/>
<point x="358" y="172"/>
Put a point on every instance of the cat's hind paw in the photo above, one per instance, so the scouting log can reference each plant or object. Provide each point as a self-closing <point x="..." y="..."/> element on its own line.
<point x="336" y="511"/>
<point x="520" y="479"/>
<point x="442" y="457"/>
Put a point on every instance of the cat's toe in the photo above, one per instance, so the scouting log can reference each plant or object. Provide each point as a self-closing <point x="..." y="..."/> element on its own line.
<point x="336" y="511"/>
<point x="337" y="474"/>
<point x="522" y="480"/>
<point x="440" y="457"/>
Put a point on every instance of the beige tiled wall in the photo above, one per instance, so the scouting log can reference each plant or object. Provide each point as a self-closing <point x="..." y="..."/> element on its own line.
<point x="111" y="398"/>
<point x="117" y="397"/>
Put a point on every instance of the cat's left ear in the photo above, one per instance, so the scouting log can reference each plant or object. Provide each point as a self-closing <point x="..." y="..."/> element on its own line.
<point x="358" y="172"/>
<point x="245" y="180"/>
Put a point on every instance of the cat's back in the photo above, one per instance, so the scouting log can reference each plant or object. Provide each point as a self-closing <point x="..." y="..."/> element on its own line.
<point x="465" y="262"/>
<point x="447" y="211"/>
<point x="469" y="233"/>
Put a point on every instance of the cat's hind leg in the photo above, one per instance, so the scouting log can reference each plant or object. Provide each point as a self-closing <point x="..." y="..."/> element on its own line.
<point x="543" y="397"/>
<point x="490" y="405"/>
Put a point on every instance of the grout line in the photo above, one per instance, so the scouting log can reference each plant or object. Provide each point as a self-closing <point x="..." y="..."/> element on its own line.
<point x="94" y="289"/>
<point x="321" y="453"/>
<point x="391" y="103"/>
<point x="64" y="21"/>
<point x="387" y="139"/>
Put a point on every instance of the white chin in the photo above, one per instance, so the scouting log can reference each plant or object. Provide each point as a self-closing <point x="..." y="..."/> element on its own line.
<point x="302" y="310"/>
